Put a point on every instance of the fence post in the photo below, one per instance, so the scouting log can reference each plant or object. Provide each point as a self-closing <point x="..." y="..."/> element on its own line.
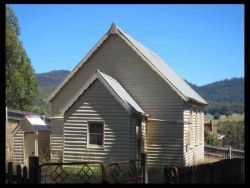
<point x="25" y="174"/>
<point x="10" y="172"/>
<point x="18" y="173"/>
<point x="144" y="167"/>
<point x="229" y="152"/>
<point x="34" y="170"/>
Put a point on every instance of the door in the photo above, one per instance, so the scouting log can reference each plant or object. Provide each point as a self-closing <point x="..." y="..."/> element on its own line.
<point x="138" y="139"/>
<point x="29" y="146"/>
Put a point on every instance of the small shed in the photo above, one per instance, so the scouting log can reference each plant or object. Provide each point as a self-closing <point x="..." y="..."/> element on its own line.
<point x="31" y="137"/>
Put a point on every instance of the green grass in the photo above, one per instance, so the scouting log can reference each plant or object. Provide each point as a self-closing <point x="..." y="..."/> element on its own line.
<point x="233" y="117"/>
<point x="74" y="173"/>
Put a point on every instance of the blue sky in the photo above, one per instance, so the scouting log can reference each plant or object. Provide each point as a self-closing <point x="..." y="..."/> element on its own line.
<point x="202" y="43"/>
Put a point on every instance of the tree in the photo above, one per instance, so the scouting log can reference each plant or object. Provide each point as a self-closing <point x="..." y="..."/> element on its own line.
<point x="234" y="133"/>
<point x="217" y="116"/>
<point x="21" y="86"/>
<point x="211" y="139"/>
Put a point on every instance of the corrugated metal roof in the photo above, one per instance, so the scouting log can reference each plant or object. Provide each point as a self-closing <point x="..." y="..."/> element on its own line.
<point x="165" y="70"/>
<point x="115" y="89"/>
<point x="19" y="115"/>
<point x="175" y="81"/>
<point x="121" y="92"/>
<point x="37" y="123"/>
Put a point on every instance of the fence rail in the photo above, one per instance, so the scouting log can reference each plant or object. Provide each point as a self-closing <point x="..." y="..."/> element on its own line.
<point x="223" y="152"/>
<point x="132" y="171"/>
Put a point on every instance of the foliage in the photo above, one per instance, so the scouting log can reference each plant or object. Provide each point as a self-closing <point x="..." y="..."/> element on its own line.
<point x="224" y="108"/>
<point x="52" y="78"/>
<point x="47" y="82"/>
<point x="210" y="139"/>
<point x="216" y="116"/>
<point x="224" y="91"/>
<point x="234" y="133"/>
<point x="224" y="97"/>
<point x="21" y="86"/>
<point x="40" y="110"/>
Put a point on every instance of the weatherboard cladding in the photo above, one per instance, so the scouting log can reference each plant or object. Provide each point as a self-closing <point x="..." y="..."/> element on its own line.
<point x="144" y="86"/>
<point x="97" y="104"/>
<point x="175" y="81"/>
<point x="18" y="141"/>
<point x="116" y="57"/>
<point x="195" y="151"/>
<point x="30" y="123"/>
<point x="115" y="89"/>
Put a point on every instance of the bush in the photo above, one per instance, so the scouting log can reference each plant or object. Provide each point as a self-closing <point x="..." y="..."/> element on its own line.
<point x="234" y="133"/>
<point x="217" y="116"/>
<point x="210" y="139"/>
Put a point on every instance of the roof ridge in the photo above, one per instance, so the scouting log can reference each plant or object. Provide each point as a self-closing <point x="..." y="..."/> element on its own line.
<point x="106" y="81"/>
<point x="150" y="57"/>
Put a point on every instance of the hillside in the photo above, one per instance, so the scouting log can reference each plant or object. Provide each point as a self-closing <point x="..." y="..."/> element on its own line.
<point x="224" y="97"/>
<point x="52" y="78"/>
<point x="224" y="91"/>
<point x="46" y="83"/>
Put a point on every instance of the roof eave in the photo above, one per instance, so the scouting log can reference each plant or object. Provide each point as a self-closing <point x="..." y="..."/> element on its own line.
<point x="196" y="101"/>
<point x="79" y="93"/>
<point x="70" y="75"/>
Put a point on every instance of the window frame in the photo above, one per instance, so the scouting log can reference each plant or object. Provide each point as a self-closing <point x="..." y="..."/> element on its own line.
<point x="88" y="135"/>
<point x="191" y="129"/>
<point x="196" y="128"/>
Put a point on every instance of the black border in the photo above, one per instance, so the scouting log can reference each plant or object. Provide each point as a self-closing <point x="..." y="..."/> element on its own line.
<point x="2" y="90"/>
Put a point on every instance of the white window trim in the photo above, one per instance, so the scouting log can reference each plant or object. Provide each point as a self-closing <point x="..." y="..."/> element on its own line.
<point x="95" y="145"/>
<point x="196" y="128"/>
<point x="191" y="125"/>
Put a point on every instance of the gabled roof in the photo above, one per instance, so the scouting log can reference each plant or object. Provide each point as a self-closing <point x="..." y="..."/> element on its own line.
<point x="31" y="123"/>
<point x="18" y="115"/>
<point x="114" y="88"/>
<point x="151" y="58"/>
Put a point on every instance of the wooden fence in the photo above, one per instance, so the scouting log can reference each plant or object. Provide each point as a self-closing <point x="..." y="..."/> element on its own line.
<point x="223" y="152"/>
<point x="224" y="171"/>
<point x="79" y="172"/>
<point x="21" y="175"/>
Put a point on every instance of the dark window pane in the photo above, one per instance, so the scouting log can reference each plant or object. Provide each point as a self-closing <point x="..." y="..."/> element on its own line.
<point x="99" y="140"/>
<point x="96" y="128"/>
<point x="96" y="133"/>
<point x="93" y="139"/>
<point x="96" y="139"/>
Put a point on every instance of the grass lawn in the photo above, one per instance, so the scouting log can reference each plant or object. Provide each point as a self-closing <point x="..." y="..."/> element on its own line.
<point x="211" y="159"/>
<point x="233" y="117"/>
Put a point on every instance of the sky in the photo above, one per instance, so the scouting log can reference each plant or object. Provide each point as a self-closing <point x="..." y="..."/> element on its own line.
<point x="201" y="43"/>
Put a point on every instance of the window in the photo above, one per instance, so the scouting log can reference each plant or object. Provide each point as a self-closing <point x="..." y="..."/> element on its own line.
<point x="95" y="133"/>
<point x="196" y="128"/>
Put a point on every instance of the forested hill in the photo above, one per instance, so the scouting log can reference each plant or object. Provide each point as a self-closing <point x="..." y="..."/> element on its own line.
<point x="223" y="96"/>
<point x="224" y="91"/>
<point x="52" y="78"/>
<point x="46" y="83"/>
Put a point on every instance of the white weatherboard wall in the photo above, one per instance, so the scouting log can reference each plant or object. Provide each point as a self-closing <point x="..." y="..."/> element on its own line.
<point x="193" y="136"/>
<point x="148" y="89"/>
<point x="118" y="60"/>
<point x="18" y="146"/>
<point x="56" y="139"/>
<point x="164" y="144"/>
<point x="95" y="104"/>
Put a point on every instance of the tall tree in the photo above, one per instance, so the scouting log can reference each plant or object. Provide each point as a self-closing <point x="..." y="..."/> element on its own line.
<point x="21" y="86"/>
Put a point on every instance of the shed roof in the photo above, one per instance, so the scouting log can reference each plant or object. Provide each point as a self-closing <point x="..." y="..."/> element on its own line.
<point x="31" y="123"/>
<point x="115" y="89"/>
<point x="37" y="123"/>
<point x="18" y="115"/>
<point x="151" y="58"/>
